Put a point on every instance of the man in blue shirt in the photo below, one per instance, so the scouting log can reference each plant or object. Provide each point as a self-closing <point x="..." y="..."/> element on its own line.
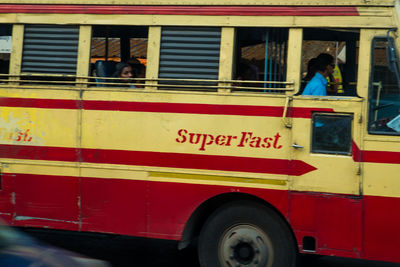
<point x="324" y="67"/>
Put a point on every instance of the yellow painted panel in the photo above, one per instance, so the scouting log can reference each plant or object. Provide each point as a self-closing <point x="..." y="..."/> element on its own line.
<point x="23" y="168"/>
<point x="294" y="57"/>
<point x="16" y="51"/>
<point x="392" y="143"/>
<point x="334" y="173"/>
<point x="32" y="92"/>
<point x="113" y="174"/>
<point x="185" y="20"/>
<point x="218" y="180"/>
<point x="39" y="127"/>
<point x="381" y="179"/>
<point x="226" y="59"/>
<point x="214" y="134"/>
<point x="153" y="58"/>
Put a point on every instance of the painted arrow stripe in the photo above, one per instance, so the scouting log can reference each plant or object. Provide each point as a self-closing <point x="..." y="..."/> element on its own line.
<point x="159" y="159"/>
<point x="372" y="156"/>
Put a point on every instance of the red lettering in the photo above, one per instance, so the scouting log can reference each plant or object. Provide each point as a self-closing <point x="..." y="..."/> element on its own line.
<point x="19" y="137"/>
<point x="267" y="144"/>
<point x="182" y="133"/>
<point x="220" y="140"/>
<point x="255" y="141"/>
<point x="26" y="134"/>
<point x="277" y="136"/>
<point x="229" y="139"/>
<point x="191" y="138"/>
<point x="205" y="142"/>
<point x="244" y="139"/>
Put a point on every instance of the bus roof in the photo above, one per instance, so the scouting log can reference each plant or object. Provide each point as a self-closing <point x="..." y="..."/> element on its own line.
<point x="212" y="2"/>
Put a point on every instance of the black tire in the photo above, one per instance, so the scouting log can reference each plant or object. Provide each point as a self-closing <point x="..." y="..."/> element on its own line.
<point x="245" y="233"/>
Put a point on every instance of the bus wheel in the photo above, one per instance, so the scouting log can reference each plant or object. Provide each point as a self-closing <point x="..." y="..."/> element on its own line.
<point x="246" y="234"/>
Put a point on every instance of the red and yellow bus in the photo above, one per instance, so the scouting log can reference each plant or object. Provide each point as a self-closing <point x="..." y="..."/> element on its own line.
<point x="215" y="144"/>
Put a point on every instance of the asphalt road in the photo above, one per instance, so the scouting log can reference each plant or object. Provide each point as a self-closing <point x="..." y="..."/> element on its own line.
<point x="123" y="251"/>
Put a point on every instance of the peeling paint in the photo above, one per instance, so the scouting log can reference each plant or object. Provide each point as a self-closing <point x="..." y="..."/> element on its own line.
<point x="17" y="130"/>
<point x="25" y="218"/>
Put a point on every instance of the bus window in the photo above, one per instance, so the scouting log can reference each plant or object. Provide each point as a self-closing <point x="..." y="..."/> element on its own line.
<point x="343" y="46"/>
<point x="5" y="49"/>
<point x="189" y="57"/>
<point x="384" y="94"/>
<point x="261" y="55"/>
<point x="118" y="44"/>
<point x="50" y="53"/>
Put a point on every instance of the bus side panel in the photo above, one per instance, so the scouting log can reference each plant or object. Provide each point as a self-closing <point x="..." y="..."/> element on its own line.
<point x="171" y="204"/>
<point x="55" y="197"/>
<point x="333" y="220"/>
<point x="6" y="196"/>
<point x="381" y="228"/>
<point x="113" y="206"/>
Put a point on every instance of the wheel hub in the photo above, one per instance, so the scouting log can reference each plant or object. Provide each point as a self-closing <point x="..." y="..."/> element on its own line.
<point x="245" y="246"/>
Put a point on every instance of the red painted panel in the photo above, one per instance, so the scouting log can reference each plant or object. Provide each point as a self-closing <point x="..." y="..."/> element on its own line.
<point x="114" y="206"/>
<point x="6" y="206"/>
<point x="39" y="103"/>
<point x="184" y="10"/>
<point x="334" y="220"/>
<point x="39" y="152"/>
<point x="161" y="209"/>
<point x="339" y="223"/>
<point x="47" y="197"/>
<point x="160" y="107"/>
<point x="381" y="228"/>
<point x="171" y="204"/>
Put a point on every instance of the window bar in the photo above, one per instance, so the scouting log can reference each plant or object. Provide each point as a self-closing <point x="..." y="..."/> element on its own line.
<point x="276" y="54"/>
<point x="266" y="57"/>
<point x="270" y="54"/>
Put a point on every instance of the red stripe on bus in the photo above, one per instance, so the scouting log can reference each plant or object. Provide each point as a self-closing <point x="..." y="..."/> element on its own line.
<point x="209" y="109"/>
<point x="158" y="159"/>
<point x="39" y="103"/>
<point x="184" y="10"/>
<point x="372" y="156"/>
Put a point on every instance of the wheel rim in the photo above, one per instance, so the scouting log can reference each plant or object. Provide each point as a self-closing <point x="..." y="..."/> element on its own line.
<point x="245" y="246"/>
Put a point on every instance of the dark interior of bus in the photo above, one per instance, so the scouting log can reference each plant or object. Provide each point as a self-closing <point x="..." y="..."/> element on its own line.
<point x="5" y="32"/>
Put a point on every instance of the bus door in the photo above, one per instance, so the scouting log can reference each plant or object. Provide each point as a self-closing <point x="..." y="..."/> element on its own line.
<point x="326" y="136"/>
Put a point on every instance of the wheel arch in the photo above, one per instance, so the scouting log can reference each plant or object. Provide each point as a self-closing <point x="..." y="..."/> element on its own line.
<point x="203" y="211"/>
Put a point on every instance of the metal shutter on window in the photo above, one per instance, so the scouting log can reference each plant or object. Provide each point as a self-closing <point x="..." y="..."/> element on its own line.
<point x="190" y="53"/>
<point x="50" y="49"/>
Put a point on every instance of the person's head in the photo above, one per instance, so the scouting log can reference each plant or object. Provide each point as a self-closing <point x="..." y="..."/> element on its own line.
<point x="311" y="69"/>
<point x="139" y="70"/>
<point x="325" y="64"/>
<point x="123" y="70"/>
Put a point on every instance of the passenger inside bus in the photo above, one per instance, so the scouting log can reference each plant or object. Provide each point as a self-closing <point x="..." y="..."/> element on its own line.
<point x="112" y="45"/>
<point x="124" y="72"/>
<point x="139" y="71"/>
<point x="343" y="45"/>
<point x="321" y="70"/>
